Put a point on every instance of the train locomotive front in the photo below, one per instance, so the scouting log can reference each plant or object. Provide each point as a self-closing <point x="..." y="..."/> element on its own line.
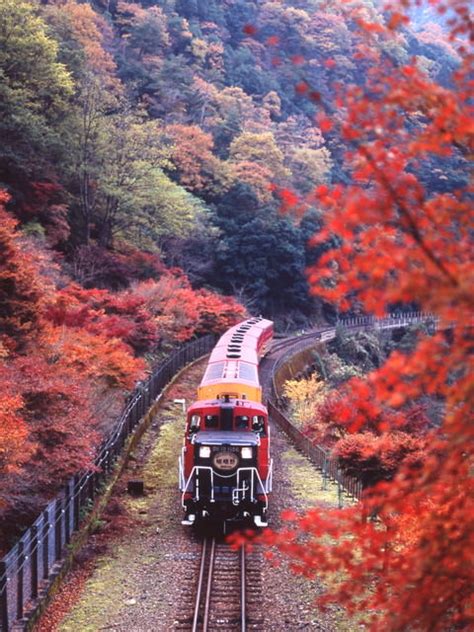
<point x="225" y="469"/>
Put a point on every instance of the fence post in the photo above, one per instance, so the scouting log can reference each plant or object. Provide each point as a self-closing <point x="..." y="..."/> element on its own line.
<point x="34" y="561"/>
<point x="3" y="597"/>
<point x="76" y="504"/>
<point x="45" y="538"/>
<point x="339" y="489"/>
<point x="19" y="576"/>
<point x="67" y="513"/>
<point x="324" y="468"/>
<point x="108" y="461"/>
<point x="132" y="418"/>
<point x="57" y="530"/>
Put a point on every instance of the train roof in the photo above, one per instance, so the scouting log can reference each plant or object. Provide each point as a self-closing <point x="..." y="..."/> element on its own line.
<point x="231" y="371"/>
<point x="242" y="339"/>
<point x="241" y="403"/>
<point x="234" y="360"/>
<point x="257" y="322"/>
<point x="245" y="353"/>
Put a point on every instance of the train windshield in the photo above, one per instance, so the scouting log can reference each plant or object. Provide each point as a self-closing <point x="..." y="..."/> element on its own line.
<point x="241" y="422"/>
<point x="211" y="421"/>
<point x="226" y="419"/>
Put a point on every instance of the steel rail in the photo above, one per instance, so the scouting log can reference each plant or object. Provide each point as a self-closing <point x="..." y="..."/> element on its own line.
<point x="207" y="603"/>
<point x="243" y="596"/>
<point x="202" y="567"/>
<point x="203" y="601"/>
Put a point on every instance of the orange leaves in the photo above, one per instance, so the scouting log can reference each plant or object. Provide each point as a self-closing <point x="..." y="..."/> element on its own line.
<point x="321" y="191"/>
<point x="330" y="63"/>
<point x="14" y="446"/>
<point x="396" y="20"/>
<point x="373" y="458"/>
<point x="297" y="60"/>
<point x="94" y="356"/>
<point x="192" y="155"/>
<point x="409" y="71"/>
<point x="273" y="40"/>
<point x="179" y="312"/>
<point x="370" y="27"/>
<point x="89" y="28"/>
<point x="289" y="515"/>
<point x="288" y="198"/>
<point x="21" y="285"/>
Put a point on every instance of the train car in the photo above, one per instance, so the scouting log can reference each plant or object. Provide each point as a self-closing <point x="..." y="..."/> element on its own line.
<point x="225" y="468"/>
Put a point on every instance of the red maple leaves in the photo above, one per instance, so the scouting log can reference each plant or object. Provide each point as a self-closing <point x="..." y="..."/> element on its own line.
<point x="401" y="240"/>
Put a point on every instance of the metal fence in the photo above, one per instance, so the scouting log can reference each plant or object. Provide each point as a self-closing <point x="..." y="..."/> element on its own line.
<point x="318" y="455"/>
<point x="28" y="569"/>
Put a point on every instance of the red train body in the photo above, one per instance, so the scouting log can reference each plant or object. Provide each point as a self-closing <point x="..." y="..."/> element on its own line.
<point x="225" y="468"/>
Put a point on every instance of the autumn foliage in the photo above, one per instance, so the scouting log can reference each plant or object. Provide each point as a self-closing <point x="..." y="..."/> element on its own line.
<point x="400" y="243"/>
<point x="20" y="286"/>
<point x="151" y="132"/>
<point x="68" y="357"/>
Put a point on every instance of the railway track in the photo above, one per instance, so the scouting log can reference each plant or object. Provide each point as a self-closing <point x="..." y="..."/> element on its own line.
<point x="283" y="347"/>
<point x="225" y="592"/>
<point x="228" y="590"/>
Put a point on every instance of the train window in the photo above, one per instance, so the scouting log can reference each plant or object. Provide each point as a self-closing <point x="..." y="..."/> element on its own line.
<point x="194" y="424"/>
<point x="211" y="421"/>
<point x="258" y="424"/>
<point x="241" y="422"/>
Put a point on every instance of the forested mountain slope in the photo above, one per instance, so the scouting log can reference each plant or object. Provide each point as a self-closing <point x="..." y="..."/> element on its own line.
<point x="148" y="151"/>
<point x="177" y="127"/>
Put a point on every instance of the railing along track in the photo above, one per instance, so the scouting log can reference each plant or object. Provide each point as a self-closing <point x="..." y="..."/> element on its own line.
<point x="282" y="350"/>
<point x="220" y="602"/>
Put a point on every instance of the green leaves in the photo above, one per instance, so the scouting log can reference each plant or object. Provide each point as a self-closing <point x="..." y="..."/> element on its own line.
<point x="34" y="91"/>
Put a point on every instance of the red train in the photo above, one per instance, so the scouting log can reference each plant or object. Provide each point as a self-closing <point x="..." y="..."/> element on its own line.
<point x="225" y="469"/>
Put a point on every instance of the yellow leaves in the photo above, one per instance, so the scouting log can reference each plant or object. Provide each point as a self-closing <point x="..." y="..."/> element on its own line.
<point x="304" y="396"/>
<point x="260" y="148"/>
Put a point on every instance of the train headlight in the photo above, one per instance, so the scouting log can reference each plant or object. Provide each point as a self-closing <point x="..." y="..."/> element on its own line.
<point x="246" y="453"/>
<point x="204" y="452"/>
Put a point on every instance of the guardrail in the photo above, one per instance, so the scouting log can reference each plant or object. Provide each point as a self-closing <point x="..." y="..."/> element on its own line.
<point x="317" y="454"/>
<point x="29" y="568"/>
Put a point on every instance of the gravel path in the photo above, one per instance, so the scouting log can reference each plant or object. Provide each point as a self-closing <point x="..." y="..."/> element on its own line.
<point x="140" y="573"/>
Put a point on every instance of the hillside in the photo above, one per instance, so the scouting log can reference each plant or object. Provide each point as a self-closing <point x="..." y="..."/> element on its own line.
<point x="169" y="166"/>
<point x="176" y="128"/>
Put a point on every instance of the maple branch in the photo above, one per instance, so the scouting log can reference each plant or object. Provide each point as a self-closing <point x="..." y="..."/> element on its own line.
<point x="415" y="233"/>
